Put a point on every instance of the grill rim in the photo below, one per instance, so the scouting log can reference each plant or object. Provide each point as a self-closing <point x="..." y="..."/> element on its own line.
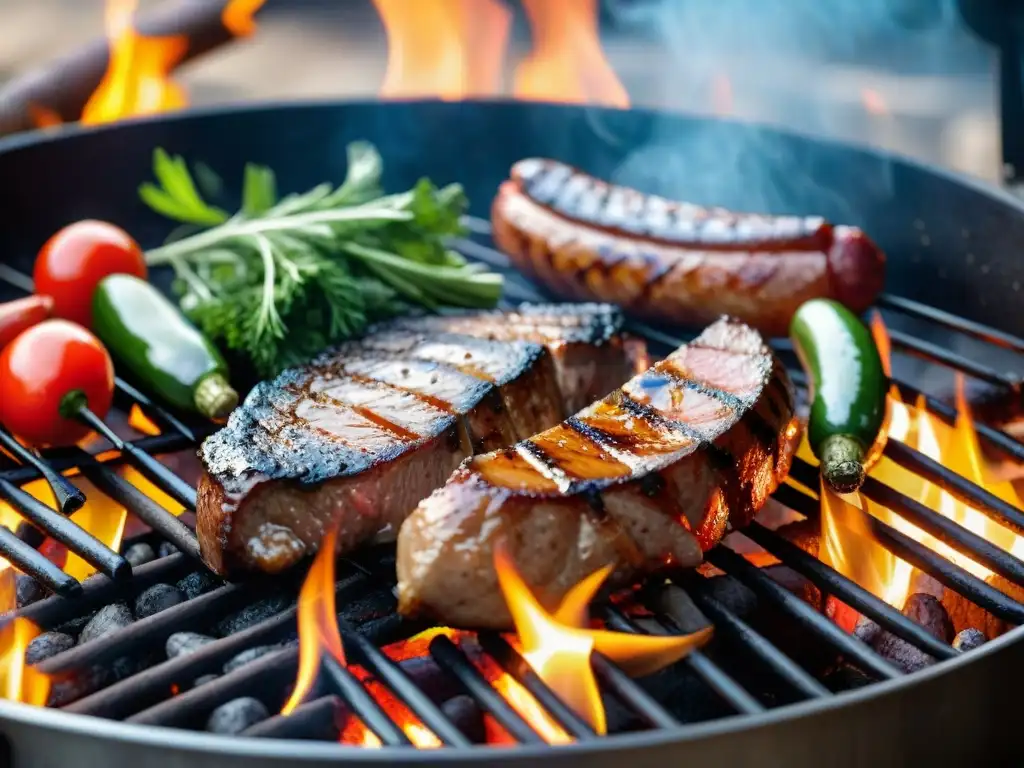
<point x="688" y="733"/>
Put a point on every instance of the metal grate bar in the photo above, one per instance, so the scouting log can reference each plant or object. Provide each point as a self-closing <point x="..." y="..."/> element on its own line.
<point x="510" y="660"/>
<point x="452" y="659"/>
<point x="317" y="719"/>
<point x="698" y="663"/>
<point x="851" y="593"/>
<point x="933" y="353"/>
<point x="30" y="561"/>
<point x="141" y="505"/>
<point x="62" y="529"/>
<point x="957" y="485"/>
<point x="750" y="639"/>
<point x="160" y="415"/>
<point x="761" y="583"/>
<point x="68" y="498"/>
<point x="951" y="321"/>
<point x="157" y="473"/>
<point x="395" y="679"/>
<point x="622" y="686"/>
<point x="359" y="700"/>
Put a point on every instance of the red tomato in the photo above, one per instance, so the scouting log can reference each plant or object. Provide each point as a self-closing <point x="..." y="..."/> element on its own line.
<point x="17" y="315"/>
<point x="76" y="258"/>
<point x="38" y="370"/>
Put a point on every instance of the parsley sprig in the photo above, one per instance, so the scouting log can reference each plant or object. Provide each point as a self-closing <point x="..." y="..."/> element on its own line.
<point x="285" y="277"/>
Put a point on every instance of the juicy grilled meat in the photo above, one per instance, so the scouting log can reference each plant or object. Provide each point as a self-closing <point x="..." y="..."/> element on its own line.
<point x="649" y="477"/>
<point x="360" y="436"/>
<point x="585" y="341"/>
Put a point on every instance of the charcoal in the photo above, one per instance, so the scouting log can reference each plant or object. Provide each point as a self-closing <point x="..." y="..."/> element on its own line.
<point x="139" y="554"/>
<point x="317" y="720"/>
<point x="845" y="677"/>
<point x="465" y="715"/>
<point x="28" y="590"/>
<point x="63" y="692"/>
<point x="867" y="630"/>
<point x="253" y="614"/>
<point x="805" y="534"/>
<point x="127" y="666"/>
<point x="74" y="626"/>
<point x="236" y="715"/>
<point x="203" y="680"/>
<point x="679" y="606"/>
<point x="902" y="654"/>
<point x="928" y="612"/>
<point x="46" y="645"/>
<point x="793" y="582"/>
<point x="108" y="619"/>
<point x="184" y="643"/>
<point x="166" y="549"/>
<point x="158" y="597"/>
<point x="965" y="614"/>
<point x="732" y="594"/>
<point x="969" y="639"/>
<point x="249" y="655"/>
<point x="430" y="678"/>
<point x="197" y="583"/>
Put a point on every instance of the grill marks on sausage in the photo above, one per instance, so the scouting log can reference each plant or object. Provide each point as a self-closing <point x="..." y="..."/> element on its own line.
<point x="625" y="211"/>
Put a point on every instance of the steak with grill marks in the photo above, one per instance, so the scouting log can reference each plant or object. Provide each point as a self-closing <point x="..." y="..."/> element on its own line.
<point x="647" y="478"/>
<point x="362" y="434"/>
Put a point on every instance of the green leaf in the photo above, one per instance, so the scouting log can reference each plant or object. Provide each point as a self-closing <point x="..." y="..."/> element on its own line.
<point x="259" y="190"/>
<point x="175" y="195"/>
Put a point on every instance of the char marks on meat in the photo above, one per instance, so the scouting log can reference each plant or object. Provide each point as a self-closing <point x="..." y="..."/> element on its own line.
<point x="363" y="433"/>
<point x="649" y="477"/>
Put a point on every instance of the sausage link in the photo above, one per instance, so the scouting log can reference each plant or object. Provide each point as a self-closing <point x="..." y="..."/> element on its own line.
<point x="585" y="239"/>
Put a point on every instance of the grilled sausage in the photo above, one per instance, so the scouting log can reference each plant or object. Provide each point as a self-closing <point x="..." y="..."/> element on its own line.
<point x="649" y="477"/>
<point x="585" y="239"/>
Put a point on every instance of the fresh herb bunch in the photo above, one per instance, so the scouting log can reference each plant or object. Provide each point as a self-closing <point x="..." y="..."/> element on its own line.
<point x="283" y="278"/>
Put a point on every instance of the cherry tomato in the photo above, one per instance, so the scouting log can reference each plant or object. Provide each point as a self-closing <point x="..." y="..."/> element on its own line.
<point x="43" y="371"/>
<point x="17" y="315"/>
<point x="76" y="258"/>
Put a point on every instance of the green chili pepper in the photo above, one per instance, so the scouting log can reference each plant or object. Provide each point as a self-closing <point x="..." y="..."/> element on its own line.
<point x="848" y="390"/>
<point x="146" y="333"/>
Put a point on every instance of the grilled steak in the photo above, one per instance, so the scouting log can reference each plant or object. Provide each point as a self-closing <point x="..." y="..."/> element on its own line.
<point x="585" y="341"/>
<point x="361" y="435"/>
<point x="649" y="477"/>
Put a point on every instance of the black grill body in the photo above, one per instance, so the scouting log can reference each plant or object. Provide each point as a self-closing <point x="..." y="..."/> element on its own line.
<point x="951" y="244"/>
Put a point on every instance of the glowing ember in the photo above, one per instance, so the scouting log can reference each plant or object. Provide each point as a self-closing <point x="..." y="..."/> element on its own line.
<point x="560" y="653"/>
<point x="450" y="49"/>
<point x="567" y="62"/>
<point x="137" y="80"/>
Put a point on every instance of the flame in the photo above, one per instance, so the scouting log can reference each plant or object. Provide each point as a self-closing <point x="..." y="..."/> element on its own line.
<point x="451" y="49"/>
<point x="567" y="62"/>
<point x="237" y="16"/>
<point x="43" y="117"/>
<point x="18" y="681"/>
<point x="140" y="422"/>
<point x="137" y="80"/>
<point x="559" y="652"/>
<point x="846" y="542"/>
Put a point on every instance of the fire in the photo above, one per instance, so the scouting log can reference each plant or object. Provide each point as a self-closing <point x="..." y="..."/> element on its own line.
<point x="137" y="80"/>
<point x="451" y="49"/>
<point x="567" y="62"/>
<point x="18" y="681"/>
<point x="455" y="49"/>
<point x="558" y="645"/>
<point x="846" y="542"/>
<point x="237" y="16"/>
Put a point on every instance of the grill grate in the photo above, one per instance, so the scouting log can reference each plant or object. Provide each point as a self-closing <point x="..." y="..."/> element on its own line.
<point x="144" y="698"/>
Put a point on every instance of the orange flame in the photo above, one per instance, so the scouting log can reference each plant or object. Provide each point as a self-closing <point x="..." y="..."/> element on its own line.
<point x="567" y="62"/>
<point x="451" y="49"/>
<point x="559" y="651"/>
<point x="318" y="622"/>
<point x="846" y="542"/>
<point x="137" y="80"/>
<point x="18" y="681"/>
<point x="238" y="16"/>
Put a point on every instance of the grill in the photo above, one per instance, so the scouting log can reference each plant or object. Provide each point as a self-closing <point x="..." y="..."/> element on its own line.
<point x="758" y="666"/>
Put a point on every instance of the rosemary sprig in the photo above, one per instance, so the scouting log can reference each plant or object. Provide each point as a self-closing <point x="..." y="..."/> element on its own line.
<point x="283" y="278"/>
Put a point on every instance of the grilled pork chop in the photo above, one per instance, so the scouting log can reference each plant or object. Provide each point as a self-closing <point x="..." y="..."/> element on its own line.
<point x="365" y="432"/>
<point x="651" y="476"/>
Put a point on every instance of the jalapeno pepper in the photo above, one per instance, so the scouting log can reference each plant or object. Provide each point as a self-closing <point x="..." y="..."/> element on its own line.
<point x="147" y="334"/>
<point x="848" y="390"/>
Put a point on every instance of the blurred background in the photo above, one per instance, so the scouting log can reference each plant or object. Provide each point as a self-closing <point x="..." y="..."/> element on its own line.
<point x="907" y="75"/>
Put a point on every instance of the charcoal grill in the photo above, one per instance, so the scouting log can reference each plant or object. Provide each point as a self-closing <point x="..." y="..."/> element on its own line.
<point x="742" y="701"/>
